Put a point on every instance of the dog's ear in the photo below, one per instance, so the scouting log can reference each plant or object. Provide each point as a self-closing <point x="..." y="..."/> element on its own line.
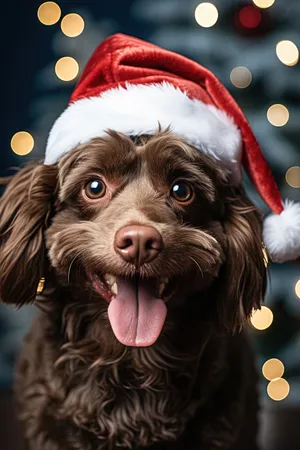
<point x="242" y="281"/>
<point x="25" y="209"/>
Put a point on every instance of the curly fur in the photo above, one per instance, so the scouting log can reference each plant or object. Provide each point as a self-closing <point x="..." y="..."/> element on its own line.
<point x="76" y="385"/>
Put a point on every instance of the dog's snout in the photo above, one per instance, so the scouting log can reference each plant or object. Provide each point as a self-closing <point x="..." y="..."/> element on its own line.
<point x="138" y="244"/>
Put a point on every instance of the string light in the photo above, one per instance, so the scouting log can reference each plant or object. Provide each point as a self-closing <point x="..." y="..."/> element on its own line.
<point x="22" y="143"/>
<point x="297" y="288"/>
<point x="241" y="77"/>
<point x="278" y="389"/>
<point x="49" y="13"/>
<point x="262" y="318"/>
<point x="206" y="14"/>
<point x="278" y="115"/>
<point x="265" y="256"/>
<point x="72" y="25"/>
<point x="287" y="52"/>
<point x="67" y="68"/>
<point x="292" y="177"/>
<point x="264" y="3"/>
<point x="272" y="369"/>
<point x="41" y="286"/>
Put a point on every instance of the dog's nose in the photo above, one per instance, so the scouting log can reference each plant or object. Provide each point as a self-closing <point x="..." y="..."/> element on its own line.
<point x="138" y="244"/>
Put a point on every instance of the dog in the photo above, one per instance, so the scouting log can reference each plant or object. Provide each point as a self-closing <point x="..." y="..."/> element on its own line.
<point x="152" y="264"/>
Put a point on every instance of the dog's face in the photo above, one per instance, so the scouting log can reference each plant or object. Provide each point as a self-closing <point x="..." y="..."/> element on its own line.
<point x="141" y="226"/>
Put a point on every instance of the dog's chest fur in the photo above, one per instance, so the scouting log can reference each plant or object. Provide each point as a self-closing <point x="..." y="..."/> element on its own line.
<point x="131" y="402"/>
<point x="142" y="398"/>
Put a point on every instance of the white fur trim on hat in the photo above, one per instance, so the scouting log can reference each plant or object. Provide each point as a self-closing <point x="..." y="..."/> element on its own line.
<point x="281" y="233"/>
<point x="136" y="110"/>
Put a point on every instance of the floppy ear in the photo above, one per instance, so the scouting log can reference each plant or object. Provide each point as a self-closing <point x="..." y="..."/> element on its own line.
<point x="242" y="282"/>
<point x="25" y="209"/>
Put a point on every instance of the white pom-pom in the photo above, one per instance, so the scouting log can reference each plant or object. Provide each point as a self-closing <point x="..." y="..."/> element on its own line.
<point x="281" y="233"/>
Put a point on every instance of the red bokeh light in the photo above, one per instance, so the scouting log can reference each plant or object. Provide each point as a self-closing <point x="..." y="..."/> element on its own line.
<point x="250" y="16"/>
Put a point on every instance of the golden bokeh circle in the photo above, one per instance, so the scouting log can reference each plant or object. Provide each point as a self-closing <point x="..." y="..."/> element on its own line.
<point x="22" y="143"/>
<point x="72" y="25"/>
<point x="292" y="177"/>
<point x="206" y="14"/>
<point x="287" y="52"/>
<point x="66" y="68"/>
<point x="262" y="318"/>
<point x="49" y="13"/>
<point x="241" y="77"/>
<point x="263" y="3"/>
<point x="278" y="115"/>
<point x="297" y="288"/>
<point x="278" y="389"/>
<point x="272" y="369"/>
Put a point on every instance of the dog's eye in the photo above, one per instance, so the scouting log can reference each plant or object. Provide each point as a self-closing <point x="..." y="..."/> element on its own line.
<point x="95" y="189"/>
<point x="182" y="192"/>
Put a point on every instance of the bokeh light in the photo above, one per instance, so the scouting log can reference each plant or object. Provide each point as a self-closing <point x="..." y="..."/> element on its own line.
<point x="206" y="15"/>
<point x="278" y="389"/>
<point x="49" y="13"/>
<point x="273" y="368"/>
<point x="292" y="176"/>
<point x="22" y="143"/>
<point x="66" y="68"/>
<point x="278" y="115"/>
<point x="287" y="52"/>
<point x="264" y="3"/>
<point x="250" y="16"/>
<point x="241" y="77"/>
<point x="297" y="288"/>
<point x="72" y="25"/>
<point x="262" y="318"/>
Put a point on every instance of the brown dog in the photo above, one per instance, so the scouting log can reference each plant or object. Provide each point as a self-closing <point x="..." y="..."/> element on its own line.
<point x="152" y="265"/>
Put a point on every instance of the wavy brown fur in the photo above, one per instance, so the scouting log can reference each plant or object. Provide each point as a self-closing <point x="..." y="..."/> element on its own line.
<point x="76" y="386"/>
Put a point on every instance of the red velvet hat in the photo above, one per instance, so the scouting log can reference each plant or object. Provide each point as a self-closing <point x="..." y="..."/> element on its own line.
<point x="130" y="85"/>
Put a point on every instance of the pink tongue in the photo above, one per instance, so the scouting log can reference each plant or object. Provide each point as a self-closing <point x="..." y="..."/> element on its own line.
<point x="136" y="315"/>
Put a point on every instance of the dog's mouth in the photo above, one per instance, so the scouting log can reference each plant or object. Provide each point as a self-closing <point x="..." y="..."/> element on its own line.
<point x="137" y="306"/>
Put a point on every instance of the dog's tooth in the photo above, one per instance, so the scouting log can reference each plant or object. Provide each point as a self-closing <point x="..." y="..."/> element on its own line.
<point x="165" y="280"/>
<point x="114" y="289"/>
<point x="161" y="288"/>
<point x="110" y="279"/>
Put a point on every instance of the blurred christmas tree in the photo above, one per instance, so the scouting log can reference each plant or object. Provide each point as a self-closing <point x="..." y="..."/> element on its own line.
<point x="253" y="48"/>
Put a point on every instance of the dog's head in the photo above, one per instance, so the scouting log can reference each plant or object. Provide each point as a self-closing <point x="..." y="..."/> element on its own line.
<point x="139" y="225"/>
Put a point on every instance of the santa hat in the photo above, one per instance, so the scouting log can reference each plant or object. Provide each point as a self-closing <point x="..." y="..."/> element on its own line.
<point x="131" y="86"/>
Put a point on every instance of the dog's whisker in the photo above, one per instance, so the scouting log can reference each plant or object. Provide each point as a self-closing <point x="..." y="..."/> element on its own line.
<point x="71" y="264"/>
<point x="197" y="264"/>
